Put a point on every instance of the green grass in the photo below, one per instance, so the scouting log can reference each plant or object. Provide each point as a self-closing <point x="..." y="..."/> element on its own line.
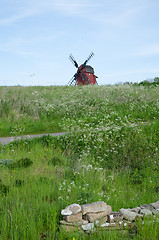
<point x="111" y="155"/>
<point x="25" y="110"/>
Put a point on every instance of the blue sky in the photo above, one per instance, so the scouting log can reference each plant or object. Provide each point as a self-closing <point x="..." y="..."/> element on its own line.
<point x="37" y="36"/>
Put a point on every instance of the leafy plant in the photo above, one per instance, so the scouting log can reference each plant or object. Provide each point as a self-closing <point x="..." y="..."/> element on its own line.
<point x="3" y="188"/>
<point x="21" y="163"/>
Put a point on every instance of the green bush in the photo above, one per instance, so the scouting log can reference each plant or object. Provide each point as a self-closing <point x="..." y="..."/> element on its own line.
<point x="3" y="188"/>
<point x="21" y="163"/>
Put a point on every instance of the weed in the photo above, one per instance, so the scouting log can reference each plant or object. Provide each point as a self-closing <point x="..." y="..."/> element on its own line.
<point x="21" y="163"/>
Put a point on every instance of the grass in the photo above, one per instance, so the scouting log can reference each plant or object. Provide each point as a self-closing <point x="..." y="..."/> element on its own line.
<point x="25" y="110"/>
<point x="111" y="154"/>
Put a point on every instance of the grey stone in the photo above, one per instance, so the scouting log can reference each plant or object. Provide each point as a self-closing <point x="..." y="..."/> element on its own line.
<point x="128" y="215"/>
<point x="71" y="209"/>
<point x="83" y="222"/>
<point x="146" y="206"/>
<point x="155" y="211"/>
<point x="92" y="217"/>
<point x="136" y="209"/>
<point x="115" y="217"/>
<point x="94" y="207"/>
<point x="111" y="226"/>
<point x="108" y="224"/>
<point x="66" y="212"/>
<point x="155" y="205"/>
<point x="101" y="221"/>
<point x="105" y="224"/>
<point x="88" y="227"/>
<point x="73" y="218"/>
<point x="146" y="212"/>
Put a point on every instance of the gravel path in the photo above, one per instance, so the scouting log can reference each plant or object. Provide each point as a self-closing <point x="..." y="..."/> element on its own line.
<point x="6" y="140"/>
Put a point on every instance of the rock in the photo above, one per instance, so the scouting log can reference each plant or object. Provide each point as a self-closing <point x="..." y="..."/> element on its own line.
<point x="94" y="207"/>
<point x="73" y="218"/>
<point x="108" y="225"/>
<point x="155" y="205"/>
<point x="83" y="222"/>
<point x="115" y="217"/>
<point x="128" y="215"/>
<point x="146" y="212"/>
<point x="71" y="209"/>
<point x="155" y="211"/>
<point x="120" y="223"/>
<point x="111" y="226"/>
<point x="101" y="221"/>
<point x="146" y="206"/>
<point x="92" y="217"/>
<point x="88" y="227"/>
<point x="105" y="224"/>
<point x="136" y="209"/>
<point x="65" y="212"/>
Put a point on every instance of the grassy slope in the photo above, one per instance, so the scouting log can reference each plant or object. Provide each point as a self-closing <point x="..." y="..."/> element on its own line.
<point x="112" y="157"/>
<point x="25" y="110"/>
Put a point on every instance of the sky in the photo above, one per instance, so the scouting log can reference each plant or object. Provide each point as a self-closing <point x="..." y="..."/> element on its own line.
<point x="37" y="37"/>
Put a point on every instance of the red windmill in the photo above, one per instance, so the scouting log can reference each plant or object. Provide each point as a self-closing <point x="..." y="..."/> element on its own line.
<point x="85" y="73"/>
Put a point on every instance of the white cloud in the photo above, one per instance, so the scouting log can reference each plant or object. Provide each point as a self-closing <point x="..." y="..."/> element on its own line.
<point x="34" y="7"/>
<point x="119" y="17"/>
<point x="72" y="7"/>
<point x="14" y="18"/>
<point x="111" y="13"/>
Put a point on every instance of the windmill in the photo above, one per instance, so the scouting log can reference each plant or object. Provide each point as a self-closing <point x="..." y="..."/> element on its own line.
<point x="85" y="73"/>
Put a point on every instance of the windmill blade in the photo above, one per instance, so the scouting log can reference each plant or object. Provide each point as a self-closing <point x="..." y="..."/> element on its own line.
<point x="85" y="77"/>
<point x="71" y="81"/>
<point x="89" y="57"/>
<point x="74" y="78"/>
<point x="72" y="59"/>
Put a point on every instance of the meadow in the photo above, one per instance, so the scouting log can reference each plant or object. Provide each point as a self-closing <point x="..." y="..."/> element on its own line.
<point x="110" y="153"/>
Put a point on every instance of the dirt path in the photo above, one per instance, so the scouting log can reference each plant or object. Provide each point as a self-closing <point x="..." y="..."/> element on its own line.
<point x="6" y="140"/>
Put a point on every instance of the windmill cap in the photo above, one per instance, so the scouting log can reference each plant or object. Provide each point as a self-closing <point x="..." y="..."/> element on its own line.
<point x="89" y="69"/>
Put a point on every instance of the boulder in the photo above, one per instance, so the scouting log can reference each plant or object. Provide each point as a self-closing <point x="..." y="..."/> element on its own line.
<point x="155" y="205"/>
<point x="83" y="222"/>
<point x="88" y="227"/>
<point x="128" y="215"/>
<point x="92" y="217"/>
<point x="101" y="221"/>
<point x="71" y="209"/>
<point x="146" y="212"/>
<point x="115" y="217"/>
<point x="136" y="209"/>
<point x="155" y="211"/>
<point x="146" y="206"/>
<point x="105" y="224"/>
<point x="110" y="226"/>
<point x="94" y="207"/>
<point x="73" y="218"/>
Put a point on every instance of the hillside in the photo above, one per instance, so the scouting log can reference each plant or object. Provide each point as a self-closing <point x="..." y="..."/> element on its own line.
<point x="110" y="153"/>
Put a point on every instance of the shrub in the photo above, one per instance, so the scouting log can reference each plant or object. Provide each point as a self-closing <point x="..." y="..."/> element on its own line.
<point x="3" y="188"/>
<point x="23" y="162"/>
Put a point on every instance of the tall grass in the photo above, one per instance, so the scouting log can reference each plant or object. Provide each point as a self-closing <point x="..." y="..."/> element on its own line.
<point x="111" y="155"/>
<point x="26" y="110"/>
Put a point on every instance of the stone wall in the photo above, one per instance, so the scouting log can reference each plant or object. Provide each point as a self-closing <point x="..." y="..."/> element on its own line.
<point x="87" y="217"/>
